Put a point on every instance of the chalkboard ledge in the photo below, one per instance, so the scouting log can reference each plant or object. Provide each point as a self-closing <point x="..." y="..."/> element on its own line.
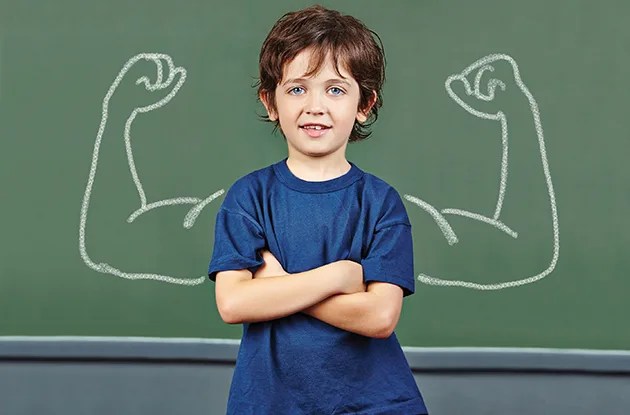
<point x="218" y="351"/>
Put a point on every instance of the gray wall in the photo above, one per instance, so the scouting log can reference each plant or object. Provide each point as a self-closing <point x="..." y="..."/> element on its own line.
<point x="64" y="375"/>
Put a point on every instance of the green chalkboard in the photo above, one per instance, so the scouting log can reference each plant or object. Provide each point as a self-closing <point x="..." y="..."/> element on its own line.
<point x="504" y="127"/>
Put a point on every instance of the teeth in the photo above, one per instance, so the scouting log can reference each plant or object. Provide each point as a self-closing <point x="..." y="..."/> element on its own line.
<point x="313" y="127"/>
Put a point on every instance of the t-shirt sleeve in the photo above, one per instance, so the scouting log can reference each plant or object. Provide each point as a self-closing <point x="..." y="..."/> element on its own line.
<point x="237" y="240"/>
<point x="389" y="256"/>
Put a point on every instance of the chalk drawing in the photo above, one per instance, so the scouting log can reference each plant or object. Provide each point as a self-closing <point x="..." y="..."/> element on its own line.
<point x="481" y="66"/>
<point x="198" y="204"/>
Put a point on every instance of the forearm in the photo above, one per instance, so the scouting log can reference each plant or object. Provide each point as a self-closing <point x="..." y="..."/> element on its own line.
<point x="261" y="299"/>
<point x="364" y="313"/>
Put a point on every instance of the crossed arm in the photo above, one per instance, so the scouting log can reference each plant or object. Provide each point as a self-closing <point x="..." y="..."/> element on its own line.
<point x="333" y="293"/>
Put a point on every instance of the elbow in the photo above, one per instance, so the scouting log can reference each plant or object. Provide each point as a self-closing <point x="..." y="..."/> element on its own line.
<point x="382" y="333"/>
<point x="230" y="319"/>
<point x="229" y="312"/>
<point x="385" y="326"/>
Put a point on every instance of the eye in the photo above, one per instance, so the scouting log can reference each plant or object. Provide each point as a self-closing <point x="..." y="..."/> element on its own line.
<point x="296" y="90"/>
<point x="336" y="90"/>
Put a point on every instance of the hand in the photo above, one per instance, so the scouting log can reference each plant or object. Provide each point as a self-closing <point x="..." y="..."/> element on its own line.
<point x="271" y="267"/>
<point x="352" y="276"/>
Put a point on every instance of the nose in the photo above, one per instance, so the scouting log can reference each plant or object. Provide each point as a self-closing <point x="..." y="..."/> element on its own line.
<point x="315" y="104"/>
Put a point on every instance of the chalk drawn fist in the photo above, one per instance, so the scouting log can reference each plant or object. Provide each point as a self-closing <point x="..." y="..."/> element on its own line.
<point x="478" y="87"/>
<point x="155" y="78"/>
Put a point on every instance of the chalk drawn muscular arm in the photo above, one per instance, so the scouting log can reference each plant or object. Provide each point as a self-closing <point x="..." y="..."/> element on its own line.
<point x="478" y="97"/>
<point x="162" y="86"/>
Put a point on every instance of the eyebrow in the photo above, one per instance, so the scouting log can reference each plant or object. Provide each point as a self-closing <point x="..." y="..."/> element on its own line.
<point x="305" y="81"/>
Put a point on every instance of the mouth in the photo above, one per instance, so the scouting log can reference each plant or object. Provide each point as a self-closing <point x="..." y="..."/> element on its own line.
<point x="315" y="126"/>
<point x="315" y="130"/>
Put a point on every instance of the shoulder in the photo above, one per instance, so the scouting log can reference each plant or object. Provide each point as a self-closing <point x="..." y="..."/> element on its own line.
<point x="252" y="182"/>
<point x="386" y="200"/>
<point x="248" y="191"/>
<point x="379" y="185"/>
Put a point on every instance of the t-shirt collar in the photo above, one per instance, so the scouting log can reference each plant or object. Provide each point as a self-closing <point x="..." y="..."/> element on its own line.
<point x="289" y="179"/>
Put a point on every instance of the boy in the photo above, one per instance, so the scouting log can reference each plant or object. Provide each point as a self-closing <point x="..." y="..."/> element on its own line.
<point x="312" y="254"/>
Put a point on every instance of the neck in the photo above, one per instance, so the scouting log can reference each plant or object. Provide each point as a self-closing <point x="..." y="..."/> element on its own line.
<point x="317" y="169"/>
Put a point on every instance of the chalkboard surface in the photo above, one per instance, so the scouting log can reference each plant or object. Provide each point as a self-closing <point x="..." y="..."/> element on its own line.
<point x="504" y="128"/>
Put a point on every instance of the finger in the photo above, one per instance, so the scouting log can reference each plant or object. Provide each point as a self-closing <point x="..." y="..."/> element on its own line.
<point x="264" y="254"/>
<point x="462" y="91"/>
<point x="484" y="88"/>
<point x="269" y="256"/>
<point x="172" y="71"/>
<point x="159" y="70"/>
<point x="180" y="78"/>
<point x="166" y="72"/>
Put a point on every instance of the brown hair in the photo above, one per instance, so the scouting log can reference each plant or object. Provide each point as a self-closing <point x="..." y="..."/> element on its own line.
<point x="325" y="31"/>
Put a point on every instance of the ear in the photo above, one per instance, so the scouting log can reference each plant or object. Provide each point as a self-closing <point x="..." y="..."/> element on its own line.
<point x="362" y="115"/>
<point x="270" y="112"/>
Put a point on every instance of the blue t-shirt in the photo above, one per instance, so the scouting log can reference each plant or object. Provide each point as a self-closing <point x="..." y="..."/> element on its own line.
<point x="297" y="364"/>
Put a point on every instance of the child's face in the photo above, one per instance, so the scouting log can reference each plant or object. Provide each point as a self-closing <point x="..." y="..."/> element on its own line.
<point x="316" y="114"/>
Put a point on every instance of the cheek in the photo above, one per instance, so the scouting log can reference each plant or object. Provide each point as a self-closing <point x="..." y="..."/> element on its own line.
<point x="287" y="114"/>
<point x="350" y="116"/>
